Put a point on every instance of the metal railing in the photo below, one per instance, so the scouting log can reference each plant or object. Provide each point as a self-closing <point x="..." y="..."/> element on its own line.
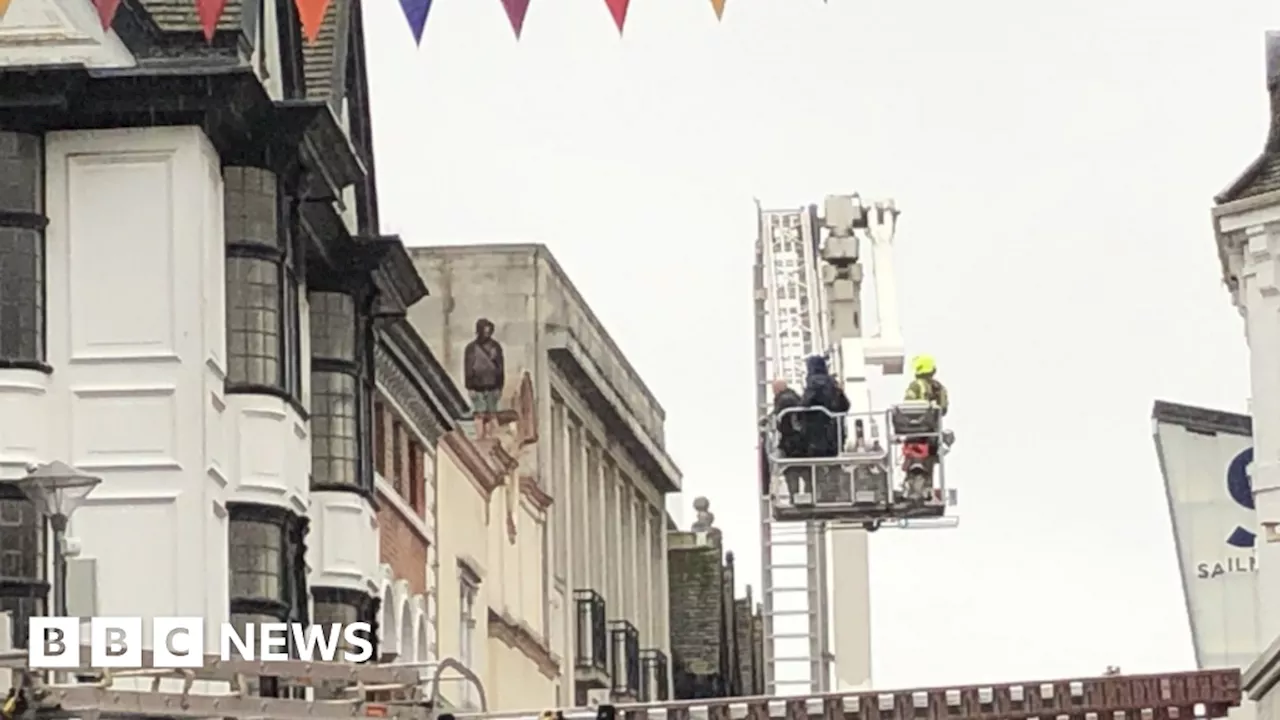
<point x="592" y="650"/>
<point x="655" y="682"/>
<point x="624" y="641"/>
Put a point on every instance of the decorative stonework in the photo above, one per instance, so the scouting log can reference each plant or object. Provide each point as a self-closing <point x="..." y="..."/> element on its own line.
<point x="416" y="406"/>
<point x="517" y="635"/>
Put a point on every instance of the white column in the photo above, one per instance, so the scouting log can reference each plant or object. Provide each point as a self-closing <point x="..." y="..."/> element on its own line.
<point x="613" y="541"/>
<point x="578" y="490"/>
<point x="644" y="559"/>
<point x="1261" y="293"/>
<point x="599" y="542"/>
<point x="1249" y="241"/>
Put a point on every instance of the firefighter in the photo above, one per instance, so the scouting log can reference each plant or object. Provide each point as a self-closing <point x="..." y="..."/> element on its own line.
<point x="926" y="386"/>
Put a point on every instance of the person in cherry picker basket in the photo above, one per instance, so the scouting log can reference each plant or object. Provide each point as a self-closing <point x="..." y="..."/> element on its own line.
<point x="925" y="388"/>
<point x="823" y="431"/>
<point x="792" y="440"/>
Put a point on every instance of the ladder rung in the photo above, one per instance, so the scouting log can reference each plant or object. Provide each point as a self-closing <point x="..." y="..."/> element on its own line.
<point x="787" y="613"/>
<point x="799" y="659"/>
<point x="786" y="589"/>
<point x="791" y="566"/>
<point x="786" y="543"/>
<point x="791" y="636"/>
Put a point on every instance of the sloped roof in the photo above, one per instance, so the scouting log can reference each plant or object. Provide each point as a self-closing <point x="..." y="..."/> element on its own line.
<point x="1263" y="174"/>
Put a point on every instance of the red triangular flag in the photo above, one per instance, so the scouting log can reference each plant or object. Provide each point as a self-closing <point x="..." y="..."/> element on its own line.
<point x="619" y="10"/>
<point x="210" y="11"/>
<point x="106" y="11"/>
<point x="516" y="10"/>
<point x="311" y="15"/>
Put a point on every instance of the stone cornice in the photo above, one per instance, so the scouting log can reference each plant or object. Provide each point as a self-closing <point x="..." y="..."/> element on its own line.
<point x="515" y="634"/>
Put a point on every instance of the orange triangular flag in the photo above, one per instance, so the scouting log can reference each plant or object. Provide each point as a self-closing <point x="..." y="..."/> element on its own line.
<point x="209" y="11"/>
<point x="311" y="15"/>
<point x="4" y="5"/>
<point x="718" y="6"/>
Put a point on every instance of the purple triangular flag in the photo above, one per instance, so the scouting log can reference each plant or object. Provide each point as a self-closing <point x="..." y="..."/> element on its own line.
<point x="515" y="13"/>
<point x="416" y="11"/>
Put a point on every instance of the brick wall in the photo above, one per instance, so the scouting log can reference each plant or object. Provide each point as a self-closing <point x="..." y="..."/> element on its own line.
<point x="696" y="602"/>
<point x="716" y="640"/>
<point x="400" y="459"/>
<point x="742" y="626"/>
<point x="403" y="548"/>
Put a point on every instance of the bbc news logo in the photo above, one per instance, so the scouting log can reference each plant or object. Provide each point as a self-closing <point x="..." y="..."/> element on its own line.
<point x="179" y="642"/>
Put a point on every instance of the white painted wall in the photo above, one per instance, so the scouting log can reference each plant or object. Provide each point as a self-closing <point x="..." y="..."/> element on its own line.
<point x="136" y="342"/>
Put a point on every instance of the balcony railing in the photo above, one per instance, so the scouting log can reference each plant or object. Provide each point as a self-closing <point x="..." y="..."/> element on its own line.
<point x="625" y="670"/>
<point x="654" y="667"/>
<point x="593" y="638"/>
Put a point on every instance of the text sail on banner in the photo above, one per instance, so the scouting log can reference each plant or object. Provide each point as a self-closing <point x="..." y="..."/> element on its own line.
<point x="618" y="8"/>
<point x="106" y="11"/>
<point x="416" y="11"/>
<point x="718" y="6"/>
<point x="209" y="12"/>
<point x="516" y="10"/>
<point x="311" y="16"/>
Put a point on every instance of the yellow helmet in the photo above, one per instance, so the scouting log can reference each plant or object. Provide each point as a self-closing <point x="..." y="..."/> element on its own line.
<point x="923" y="364"/>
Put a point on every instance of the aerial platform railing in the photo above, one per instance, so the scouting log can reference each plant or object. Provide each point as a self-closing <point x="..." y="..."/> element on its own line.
<point x="1202" y="694"/>
<point x="222" y="689"/>
<point x="867" y="481"/>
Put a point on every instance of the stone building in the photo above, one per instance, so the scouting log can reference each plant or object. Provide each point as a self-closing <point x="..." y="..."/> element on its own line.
<point x="551" y="390"/>
<point x="716" y="640"/>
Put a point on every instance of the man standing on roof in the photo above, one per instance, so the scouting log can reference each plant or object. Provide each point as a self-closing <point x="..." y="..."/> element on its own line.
<point x="484" y="374"/>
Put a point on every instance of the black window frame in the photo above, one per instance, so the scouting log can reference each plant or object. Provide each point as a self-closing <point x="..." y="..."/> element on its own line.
<point x="293" y="603"/>
<point x="23" y="594"/>
<point x="360" y="122"/>
<point x="288" y="257"/>
<point x="360" y="372"/>
<point x="293" y="77"/>
<point x="28" y="350"/>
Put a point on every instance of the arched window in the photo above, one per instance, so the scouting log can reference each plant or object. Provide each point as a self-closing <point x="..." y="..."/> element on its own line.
<point x="24" y="590"/>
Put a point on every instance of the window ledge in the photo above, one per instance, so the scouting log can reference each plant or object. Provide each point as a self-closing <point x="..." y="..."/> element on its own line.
<point x="16" y="364"/>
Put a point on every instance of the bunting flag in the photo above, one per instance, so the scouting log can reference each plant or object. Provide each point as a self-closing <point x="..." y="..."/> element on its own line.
<point x="516" y="10"/>
<point x="4" y="6"/>
<point x="618" y="8"/>
<point x="209" y="12"/>
<point x="718" y="6"/>
<point x="415" y="11"/>
<point x="106" y="11"/>
<point x="311" y="15"/>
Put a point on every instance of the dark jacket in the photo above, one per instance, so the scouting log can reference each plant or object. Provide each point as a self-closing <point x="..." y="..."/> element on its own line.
<point x="791" y="438"/>
<point x="820" y="390"/>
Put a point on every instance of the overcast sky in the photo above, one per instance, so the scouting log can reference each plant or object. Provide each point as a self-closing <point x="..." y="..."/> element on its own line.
<point x="1055" y="163"/>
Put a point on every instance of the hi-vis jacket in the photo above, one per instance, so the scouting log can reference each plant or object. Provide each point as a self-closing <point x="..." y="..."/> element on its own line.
<point x="930" y="390"/>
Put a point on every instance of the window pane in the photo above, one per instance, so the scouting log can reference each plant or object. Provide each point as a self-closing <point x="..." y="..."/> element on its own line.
<point x="21" y="294"/>
<point x="257" y="560"/>
<point x="333" y="428"/>
<point x="333" y="326"/>
<point x="21" y="542"/>
<point x="254" y="349"/>
<point x="22" y="608"/>
<point x="250" y="211"/>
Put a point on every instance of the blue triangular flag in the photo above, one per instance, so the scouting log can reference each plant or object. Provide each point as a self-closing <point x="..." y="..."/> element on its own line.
<point x="416" y="11"/>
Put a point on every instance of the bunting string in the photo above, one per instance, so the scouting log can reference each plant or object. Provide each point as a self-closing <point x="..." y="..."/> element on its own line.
<point x="311" y="14"/>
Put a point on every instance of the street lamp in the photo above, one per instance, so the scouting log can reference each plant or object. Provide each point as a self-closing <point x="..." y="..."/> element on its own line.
<point x="56" y="489"/>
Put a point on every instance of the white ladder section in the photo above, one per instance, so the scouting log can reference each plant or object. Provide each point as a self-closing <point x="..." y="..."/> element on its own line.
<point x="789" y="302"/>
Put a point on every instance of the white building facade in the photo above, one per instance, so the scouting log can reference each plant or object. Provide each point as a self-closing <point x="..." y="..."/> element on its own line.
<point x="1247" y="228"/>
<point x="190" y="273"/>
